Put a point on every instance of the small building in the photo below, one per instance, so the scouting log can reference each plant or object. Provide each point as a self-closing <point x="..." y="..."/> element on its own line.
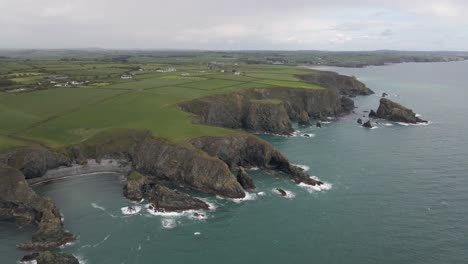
<point x="126" y="77"/>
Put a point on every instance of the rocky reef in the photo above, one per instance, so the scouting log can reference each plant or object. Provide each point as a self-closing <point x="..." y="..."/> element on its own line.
<point x="395" y="112"/>
<point x="167" y="200"/>
<point x="21" y="205"/>
<point x="344" y="85"/>
<point x="48" y="257"/>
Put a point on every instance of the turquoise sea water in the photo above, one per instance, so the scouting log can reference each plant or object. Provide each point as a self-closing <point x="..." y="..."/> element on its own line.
<point x="399" y="194"/>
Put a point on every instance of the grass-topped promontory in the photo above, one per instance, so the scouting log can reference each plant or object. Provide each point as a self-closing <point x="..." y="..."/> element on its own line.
<point x="73" y="101"/>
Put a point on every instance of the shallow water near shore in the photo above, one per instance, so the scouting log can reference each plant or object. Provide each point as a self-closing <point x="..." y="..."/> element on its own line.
<point x="396" y="194"/>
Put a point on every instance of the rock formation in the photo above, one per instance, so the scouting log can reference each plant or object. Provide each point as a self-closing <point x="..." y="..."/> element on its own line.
<point x="20" y="204"/>
<point x="134" y="189"/>
<point x="249" y="151"/>
<point x="367" y="124"/>
<point x="359" y="121"/>
<point x="304" y="119"/>
<point x="395" y="112"/>
<point x="34" y="161"/>
<point x="268" y="110"/>
<point x="245" y="180"/>
<point x="167" y="200"/>
<point x="373" y="114"/>
<point x="48" y="257"/>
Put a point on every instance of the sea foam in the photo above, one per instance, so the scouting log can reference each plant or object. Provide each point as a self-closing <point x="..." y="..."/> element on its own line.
<point x="311" y="188"/>
<point x="130" y="210"/>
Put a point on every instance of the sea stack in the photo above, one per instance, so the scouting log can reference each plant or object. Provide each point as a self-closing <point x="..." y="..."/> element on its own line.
<point x="395" y="112"/>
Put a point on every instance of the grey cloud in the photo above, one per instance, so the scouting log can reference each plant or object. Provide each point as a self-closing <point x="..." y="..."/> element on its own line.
<point x="221" y="24"/>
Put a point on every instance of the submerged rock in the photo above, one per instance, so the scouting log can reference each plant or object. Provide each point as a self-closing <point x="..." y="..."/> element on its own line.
<point x="319" y="125"/>
<point x="48" y="257"/>
<point x="282" y="192"/>
<point x="395" y="112"/>
<point x="367" y="124"/>
<point x="384" y="94"/>
<point x="21" y="205"/>
<point x="167" y="200"/>
<point x="304" y="119"/>
<point x="245" y="180"/>
<point x="359" y="121"/>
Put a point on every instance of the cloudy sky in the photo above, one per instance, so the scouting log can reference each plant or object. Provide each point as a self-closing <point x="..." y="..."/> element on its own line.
<point x="236" y="24"/>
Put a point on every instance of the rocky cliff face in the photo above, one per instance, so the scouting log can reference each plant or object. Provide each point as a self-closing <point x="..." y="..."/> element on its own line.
<point x="20" y="204"/>
<point x="249" y="151"/>
<point x="266" y="110"/>
<point x="344" y="85"/>
<point x="395" y="112"/>
<point x="34" y="161"/>
<point x="166" y="161"/>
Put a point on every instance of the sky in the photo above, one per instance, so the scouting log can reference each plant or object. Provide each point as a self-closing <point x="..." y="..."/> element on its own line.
<point x="236" y="24"/>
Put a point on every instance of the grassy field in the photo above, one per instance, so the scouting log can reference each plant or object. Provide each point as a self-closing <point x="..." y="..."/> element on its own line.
<point x="55" y="116"/>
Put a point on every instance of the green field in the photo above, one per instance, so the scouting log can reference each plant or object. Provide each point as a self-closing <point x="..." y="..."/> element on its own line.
<point x="57" y="116"/>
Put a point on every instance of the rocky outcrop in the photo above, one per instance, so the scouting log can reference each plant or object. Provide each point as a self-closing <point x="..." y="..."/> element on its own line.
<point x="134" y="189"/>
<point x="20" y="204"/>
<point x="269" y="110"/>
<point x="395" y="112"/>
<point x="165" y="161"/>
<point x="249" y="151"/>
<point x="359" y="121"/>
<point x="281" y="192"/>
<point x="345" y="85"/>
<point x="34" y="161"/>
<point x="373" y="114"/>
<point x="167" y="200"/>
<point x="48" y="257"/>
<point x="347" y="104"/>
<point x="245" y="180"/>
<point x="304" y="119"/>
<point x="367" y="124"/>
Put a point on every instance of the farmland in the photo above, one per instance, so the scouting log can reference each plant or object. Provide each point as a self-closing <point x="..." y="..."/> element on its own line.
<point x="56" y="102"/>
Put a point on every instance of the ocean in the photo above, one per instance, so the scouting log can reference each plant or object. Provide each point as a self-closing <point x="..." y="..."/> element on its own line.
<point x="394" y="194"/>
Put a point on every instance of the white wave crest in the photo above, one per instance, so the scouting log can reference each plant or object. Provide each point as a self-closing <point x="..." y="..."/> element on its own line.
<point x="95" y="205"/>
<point x="248" y="197"/>
<point x="168" y="223"/>
<point x="310" y="188"/>
<point x="261" y="193"/>
<point x="402" y="124"/>
<point x="130" y="210"/>
<point x="308" y="135"/>
<point x="197" y="233"/>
